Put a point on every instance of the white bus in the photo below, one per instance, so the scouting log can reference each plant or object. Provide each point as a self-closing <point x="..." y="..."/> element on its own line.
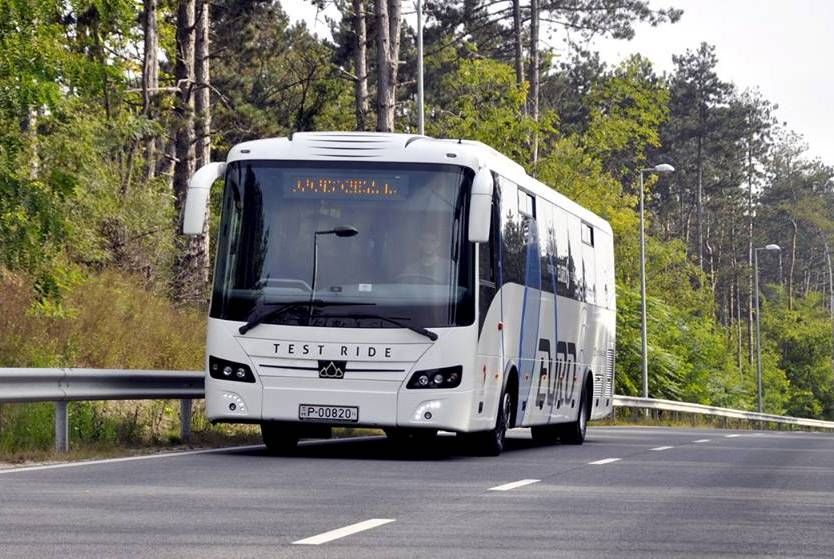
<point x="405" y="283"/>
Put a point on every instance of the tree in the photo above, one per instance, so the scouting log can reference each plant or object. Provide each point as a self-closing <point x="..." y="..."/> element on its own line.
<point x="694" y="127"/>
<point x="191" y="267"/>
<point x="388" y="22"/>
<point x="150" y="80"/>
<point x="360" y="64"/>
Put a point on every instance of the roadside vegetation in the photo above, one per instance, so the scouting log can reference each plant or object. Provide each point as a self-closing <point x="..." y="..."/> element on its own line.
<point x="97" y="139"/>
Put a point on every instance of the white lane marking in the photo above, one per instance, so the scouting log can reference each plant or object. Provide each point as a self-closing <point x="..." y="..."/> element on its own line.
<point x="731" y="436"/>
<point x="513" y="485"/>
<point x="342" y="532"/>
<point x="662" y="448"/>
<point x="604" y="461"/>
<point x="701" y="441"/>
<point x="128" y="459"/>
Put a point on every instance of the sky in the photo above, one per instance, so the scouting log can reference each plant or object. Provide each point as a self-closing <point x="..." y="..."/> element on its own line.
<point x="782" y="47"/>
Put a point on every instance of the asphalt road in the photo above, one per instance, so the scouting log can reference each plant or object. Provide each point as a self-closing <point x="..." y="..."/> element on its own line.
<point x="670" y="493"/>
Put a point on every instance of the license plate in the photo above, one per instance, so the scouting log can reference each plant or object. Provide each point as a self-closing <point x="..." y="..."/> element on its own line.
<point x="336" y="414"/>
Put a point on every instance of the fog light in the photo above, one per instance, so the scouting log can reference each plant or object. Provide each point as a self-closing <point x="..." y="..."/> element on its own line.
<point x="232" y="406"/>
<point x="425" y="411"/>
<point x="227" y="371"/>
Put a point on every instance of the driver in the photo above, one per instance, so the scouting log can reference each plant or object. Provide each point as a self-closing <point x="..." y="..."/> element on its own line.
<point x="430" y="264"/>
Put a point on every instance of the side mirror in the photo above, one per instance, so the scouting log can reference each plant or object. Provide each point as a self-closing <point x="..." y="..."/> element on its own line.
<point x="480" y="206"/>
<point x="197" y="199"/>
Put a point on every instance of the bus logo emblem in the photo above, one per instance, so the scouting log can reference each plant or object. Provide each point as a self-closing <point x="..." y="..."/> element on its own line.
<point x="332" y="369"/>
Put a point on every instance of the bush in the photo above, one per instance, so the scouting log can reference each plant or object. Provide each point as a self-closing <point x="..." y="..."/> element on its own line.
<point x="104" y="321"/>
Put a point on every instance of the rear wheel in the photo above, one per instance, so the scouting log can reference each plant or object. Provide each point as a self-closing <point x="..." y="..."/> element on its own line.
<point x="576" y="431"/>
<point x="545" y="434"/>
<point x="491" y="443"/>
<point x="279" y="438"/>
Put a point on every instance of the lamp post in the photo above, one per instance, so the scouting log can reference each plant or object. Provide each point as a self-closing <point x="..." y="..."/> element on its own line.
<point x="663" y="169"/>
<point x="758" y="322"/>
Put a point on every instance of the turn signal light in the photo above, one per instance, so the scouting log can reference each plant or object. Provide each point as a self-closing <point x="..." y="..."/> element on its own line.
<point x="229" y="370"/>
<point x="447" y="377"/>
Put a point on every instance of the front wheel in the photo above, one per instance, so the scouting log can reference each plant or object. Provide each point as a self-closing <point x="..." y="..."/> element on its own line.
<point x="492" y="442"/>
<point x="279" y="438"/>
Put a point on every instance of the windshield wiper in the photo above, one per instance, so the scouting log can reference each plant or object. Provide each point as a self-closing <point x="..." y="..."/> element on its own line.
<point x="418" y="329"/>
<point x="269" y="310"/>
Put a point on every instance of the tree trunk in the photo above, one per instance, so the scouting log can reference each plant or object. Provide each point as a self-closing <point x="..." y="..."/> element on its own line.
<point x="360" y="63"/>
<point x="388" y="20"/>
<point x="202" y="91"/>
<point x="150" y="82"/>
<point x="534" y="72"/>
<point x="519" y="49"/>
<point x="700" y="203"/>
<point x="795" y="227"/>
<point x="188" y="268"/>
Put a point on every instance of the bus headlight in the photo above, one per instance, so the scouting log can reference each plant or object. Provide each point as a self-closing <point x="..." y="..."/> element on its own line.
<point x="447" y="377"/>
<point x="229" y="370"/>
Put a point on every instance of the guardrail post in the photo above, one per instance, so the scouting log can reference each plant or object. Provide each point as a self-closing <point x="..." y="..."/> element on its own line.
<point x="61" y="426"/>
<point x="185" y="420"/>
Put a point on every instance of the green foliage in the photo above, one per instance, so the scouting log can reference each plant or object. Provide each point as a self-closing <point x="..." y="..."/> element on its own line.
<point x="82" y="228"/>
<point x="479" y="100"/>
<point x="801" y="339"/>
<point x="109" y="322"/>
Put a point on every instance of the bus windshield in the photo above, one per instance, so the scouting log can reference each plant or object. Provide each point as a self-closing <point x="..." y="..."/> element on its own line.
<point x="335" y="244"/>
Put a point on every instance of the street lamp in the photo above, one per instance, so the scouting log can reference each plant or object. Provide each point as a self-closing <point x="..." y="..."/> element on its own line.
<point x="339" y="231"/>
<point x="663" y="169"/>
<point x="758" y="322"/>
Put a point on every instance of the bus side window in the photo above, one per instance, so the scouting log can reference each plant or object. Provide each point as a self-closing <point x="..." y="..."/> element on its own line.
<point x="512" y="234"/>
<point x="547" y="245"/>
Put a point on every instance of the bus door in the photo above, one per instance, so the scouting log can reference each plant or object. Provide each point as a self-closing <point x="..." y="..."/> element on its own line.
<point x="491" y="357"/>
<point x="528" y="346"/>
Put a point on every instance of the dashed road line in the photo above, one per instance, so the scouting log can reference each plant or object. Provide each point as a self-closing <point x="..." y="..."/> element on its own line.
<point x="604" y="461"/>
<point x="346" y="531"/>
<point x="514" y="484"/>
<point x="662" y="448"/>
<point x="702" y="441"/>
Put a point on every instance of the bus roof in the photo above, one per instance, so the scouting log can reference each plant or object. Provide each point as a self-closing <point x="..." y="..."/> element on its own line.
<point x="381" y="146"/>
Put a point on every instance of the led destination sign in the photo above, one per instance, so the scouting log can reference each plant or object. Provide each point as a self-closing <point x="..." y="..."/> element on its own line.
<point x="379" y="187"/>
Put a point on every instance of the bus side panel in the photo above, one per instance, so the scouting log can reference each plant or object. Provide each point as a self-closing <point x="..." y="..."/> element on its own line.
<point x="489" y="365"/>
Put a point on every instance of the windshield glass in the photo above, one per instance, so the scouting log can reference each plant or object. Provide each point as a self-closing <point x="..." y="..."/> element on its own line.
<point x="382" y="239"/>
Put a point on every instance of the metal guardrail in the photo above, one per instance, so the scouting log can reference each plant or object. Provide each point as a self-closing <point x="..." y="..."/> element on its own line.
<point x="685" y="407"/>
<point x="65" y="385"/>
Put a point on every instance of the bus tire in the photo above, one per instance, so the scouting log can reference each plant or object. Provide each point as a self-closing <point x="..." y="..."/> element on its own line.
<point x="545" y="434"/>
<point x="492" y="442"/>
<point x="279" y="438"/>
<point x="575" y="432"/>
